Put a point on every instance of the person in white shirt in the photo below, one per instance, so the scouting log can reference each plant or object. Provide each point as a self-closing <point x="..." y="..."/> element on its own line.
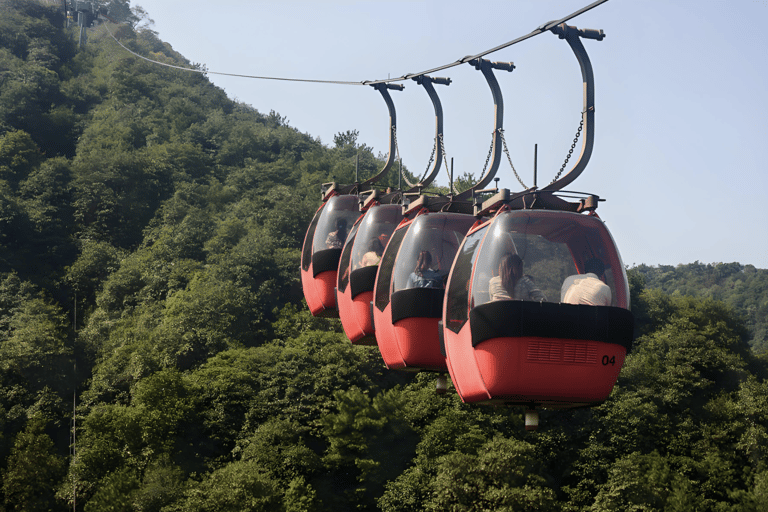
<point x="587" y="288"/>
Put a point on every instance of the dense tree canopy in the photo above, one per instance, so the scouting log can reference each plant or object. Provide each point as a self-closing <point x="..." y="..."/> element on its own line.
<point x="743" y="287"/>
<point x="155" y="354"/>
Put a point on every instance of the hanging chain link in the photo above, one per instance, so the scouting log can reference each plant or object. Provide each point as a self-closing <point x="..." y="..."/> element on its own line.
<point x="509" y="159"/>
<point x="570" y="151"/>
<point x="397" y="157"/>
<point x="431" y="159"/>
<point x="394" y="137"/>
<point x="488" y="158"/>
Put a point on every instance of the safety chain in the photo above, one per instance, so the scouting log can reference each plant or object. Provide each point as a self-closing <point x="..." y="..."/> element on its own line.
<point x="487" y="158"/>
<point x="397" y="156"/>
<point x="394" y="137"/>
<point x="570" y="151"/>
<point x="431" y="159"/>
<point x="509" y="158"/>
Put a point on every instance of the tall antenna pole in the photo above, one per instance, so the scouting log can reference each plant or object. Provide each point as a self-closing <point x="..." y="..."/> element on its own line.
<point x="74" y="441"/>
<point x="74" y="416"/>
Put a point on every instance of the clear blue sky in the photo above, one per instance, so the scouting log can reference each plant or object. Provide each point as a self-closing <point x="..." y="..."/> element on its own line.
<point x="681" y="147"/>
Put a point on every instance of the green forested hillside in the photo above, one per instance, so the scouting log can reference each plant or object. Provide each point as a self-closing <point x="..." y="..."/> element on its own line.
<point x="155" y="354"/>
<point x="743" y="287"/>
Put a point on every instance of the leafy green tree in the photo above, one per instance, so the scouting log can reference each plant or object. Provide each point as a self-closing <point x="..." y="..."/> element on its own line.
<point x="369" y="443"/>
<point x="127" y="440"/>
<point x="163" y="485"/>
<point x="34" y="470"/>
<point x="504" y="475"/>
<point x="241" y="485"/>
<point x="278" y="446"/>
<point x="646" y="482"/>
<point x="96" y="261"/>
<point x="34" y="348"/>
<point x="453" y="431"/>
<point x="46" y="192"/>
<point x="116" y="194"/>
<point x="15" y="228"/>
<point x="756" y="497"/>
<point x="114" y="495"/>
<point x="19" y="156"/>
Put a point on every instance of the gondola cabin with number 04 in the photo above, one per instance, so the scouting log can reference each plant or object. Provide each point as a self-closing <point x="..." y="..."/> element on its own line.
<point x="537" y="311"/>
<point x="320" y="255"/>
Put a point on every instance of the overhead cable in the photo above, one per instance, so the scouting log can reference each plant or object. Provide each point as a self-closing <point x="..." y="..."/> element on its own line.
<point x="540" y="30"/>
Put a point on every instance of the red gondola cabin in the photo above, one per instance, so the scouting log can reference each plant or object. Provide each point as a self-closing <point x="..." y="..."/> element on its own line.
<point x="410" y="286"/>
<point x="357" y="271"/>
<point x="322" y="250"/>
<point x="537" y="311"/>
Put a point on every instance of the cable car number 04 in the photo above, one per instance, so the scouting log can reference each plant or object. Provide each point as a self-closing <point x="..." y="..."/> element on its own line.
<point x="609" y="360"/>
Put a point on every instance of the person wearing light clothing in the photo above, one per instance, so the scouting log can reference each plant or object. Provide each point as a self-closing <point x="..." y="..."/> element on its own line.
<point x="511" y="283"/>
<point x="587" y="288"/>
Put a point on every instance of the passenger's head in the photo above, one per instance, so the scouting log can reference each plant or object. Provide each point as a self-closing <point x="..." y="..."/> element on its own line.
<point x="424" y="261"/>
<point x="375" y="246"/>
<point x="595" y="266"/>
<point x="341" y="224"/>
<point x="510" y="270"/>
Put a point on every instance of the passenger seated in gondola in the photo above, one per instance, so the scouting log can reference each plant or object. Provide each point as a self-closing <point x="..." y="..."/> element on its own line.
<point x="423" y="276"/>
<point x="587" y="288"/>
<point x="511" y="283"/>
<point x="373" y="256"/>
<point x="336" y="238"/>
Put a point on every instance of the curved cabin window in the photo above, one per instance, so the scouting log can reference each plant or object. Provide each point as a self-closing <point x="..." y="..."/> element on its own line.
<point x="457" y="310"/>
<point x="428" y="250"/>
<point x="306" y="251"/>
<point x="529" y="254"/>
<point x="375" y="230"/>
<point x="335" y="222"/>
<point x="386" y="267"/>
<point x="343" y="277"/>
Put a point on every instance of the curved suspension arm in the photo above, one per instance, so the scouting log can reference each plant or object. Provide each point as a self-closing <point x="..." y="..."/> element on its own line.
<point x="426" y="82"/>
<point x="487" y="68"/>
<point x="384" y="90"/>
<point x="357" y="188"/>
<point x="572" y="35"/>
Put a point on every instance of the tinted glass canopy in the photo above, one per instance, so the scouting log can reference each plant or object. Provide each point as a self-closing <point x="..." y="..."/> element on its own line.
<point x="544" y="249"/>
<point x="335" y="222"/>
<point x="374" y="232"/>
<point x="428" y="250"/>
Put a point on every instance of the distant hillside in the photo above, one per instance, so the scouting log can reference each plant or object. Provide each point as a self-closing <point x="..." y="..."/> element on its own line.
<point x="743" y="287"/>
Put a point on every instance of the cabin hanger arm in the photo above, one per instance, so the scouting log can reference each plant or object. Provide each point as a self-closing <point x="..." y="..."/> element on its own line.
<point x="487" y="67"/>
<point x="366" y="185"/>
<point x="426" y="82"/>
<point x="384" y="90"/>
<point x="573" y="36"/>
